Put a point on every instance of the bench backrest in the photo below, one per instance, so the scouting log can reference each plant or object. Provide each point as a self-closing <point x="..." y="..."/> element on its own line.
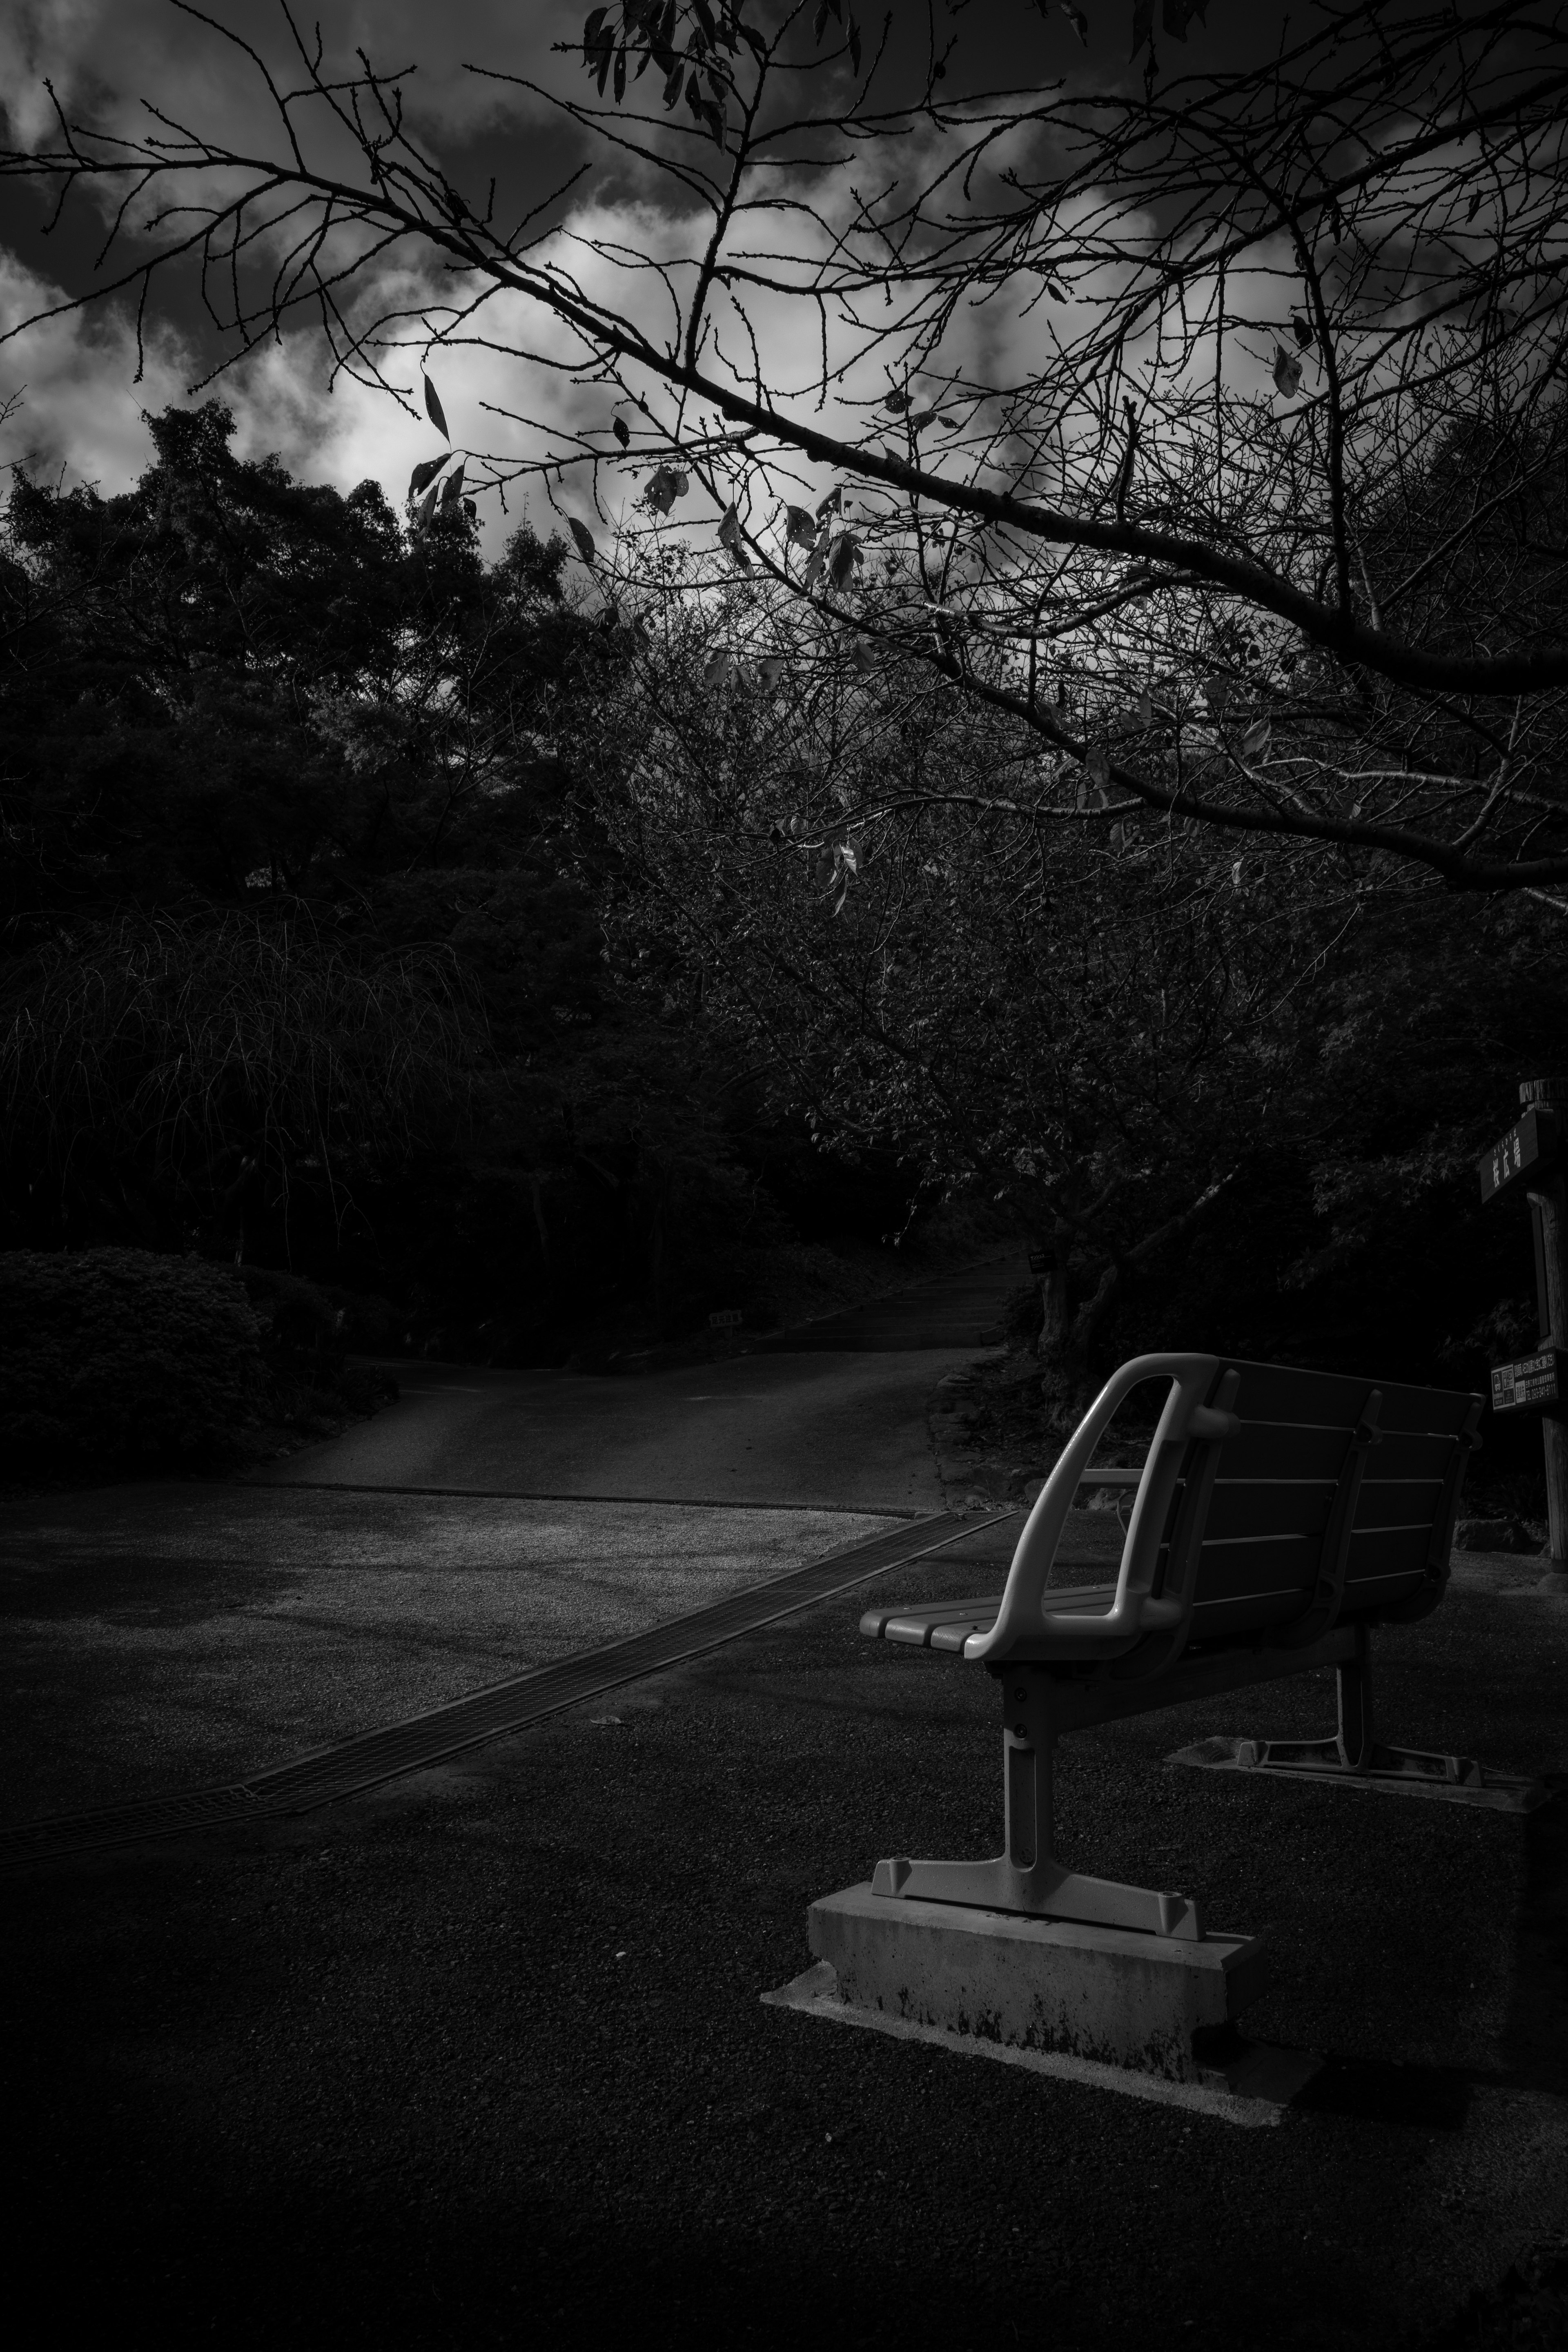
<point x="1270" y="1499"/>
<point x="1294" y="1466"/>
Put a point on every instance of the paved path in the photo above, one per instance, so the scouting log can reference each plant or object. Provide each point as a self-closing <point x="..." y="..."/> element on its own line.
<point x="831" y="1415"/>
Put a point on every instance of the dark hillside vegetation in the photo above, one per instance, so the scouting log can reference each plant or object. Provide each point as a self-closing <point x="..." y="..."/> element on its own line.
<point x="303" y="962"/>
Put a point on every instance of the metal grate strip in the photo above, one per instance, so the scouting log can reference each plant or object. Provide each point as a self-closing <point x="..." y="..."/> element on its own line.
<point x="352" y="1765"/>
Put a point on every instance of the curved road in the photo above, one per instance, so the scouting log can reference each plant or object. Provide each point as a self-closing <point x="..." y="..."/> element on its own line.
<point x="831" y="1416"/>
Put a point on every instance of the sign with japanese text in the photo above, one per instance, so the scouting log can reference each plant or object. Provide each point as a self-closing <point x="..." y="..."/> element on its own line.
<point x="1529" y="1149"/>
<point x="1531" y="1383"/>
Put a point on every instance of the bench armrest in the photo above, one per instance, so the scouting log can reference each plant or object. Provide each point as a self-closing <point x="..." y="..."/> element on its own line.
<point x="1025" y="1618"/>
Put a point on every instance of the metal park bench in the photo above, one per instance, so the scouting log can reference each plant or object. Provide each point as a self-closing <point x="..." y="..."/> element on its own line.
<point x="1278" y="1516"/>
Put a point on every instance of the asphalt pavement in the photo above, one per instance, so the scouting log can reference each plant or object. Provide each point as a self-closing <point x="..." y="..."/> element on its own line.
<point x="831" y="1414"/>
<point x="481" y="2060"/>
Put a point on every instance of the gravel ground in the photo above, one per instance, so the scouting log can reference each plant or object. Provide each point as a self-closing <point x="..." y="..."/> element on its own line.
<point x="169" y="1636"/>
<point x="483" y="2057"/>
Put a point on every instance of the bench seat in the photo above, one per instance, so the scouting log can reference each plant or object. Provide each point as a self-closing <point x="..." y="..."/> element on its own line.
<point x="948" y="1624"/>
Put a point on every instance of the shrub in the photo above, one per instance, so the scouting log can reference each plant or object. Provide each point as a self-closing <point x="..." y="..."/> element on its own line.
<point x="119" y="1359"/>
<point x="304" y="1332"/>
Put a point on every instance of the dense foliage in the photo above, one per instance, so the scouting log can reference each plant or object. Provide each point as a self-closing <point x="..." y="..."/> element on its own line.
<point x="1237" y="1101"/>
<point x="116" y="1359"/>
<point x="302" y="957"/>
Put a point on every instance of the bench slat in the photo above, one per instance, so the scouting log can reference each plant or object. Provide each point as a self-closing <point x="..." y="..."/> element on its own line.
<point x="1286" y="1563"/>
<point x="1246" y="1612"/>
<point x="947" y="1624"/>
<point x="1265" y="1507"/>
<point x="1381" y="1556"/>
<point x="1284" y="1450"/>
<point x="1396" y="1502"/>
<point x="1404" y="1456"/>
<point x="1277" y="1392"/>
<point x="1268" y="1507"/>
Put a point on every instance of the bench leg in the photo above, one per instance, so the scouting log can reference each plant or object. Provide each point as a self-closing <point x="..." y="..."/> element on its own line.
<point x="1027" y="1878"/>
<point x="1355" y="1750"/>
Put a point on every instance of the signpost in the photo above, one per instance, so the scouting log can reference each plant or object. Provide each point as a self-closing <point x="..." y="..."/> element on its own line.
<point x="1530" y="1157"/>
<point x="1531" y="1384"/>
<point x="728" y="1318"/>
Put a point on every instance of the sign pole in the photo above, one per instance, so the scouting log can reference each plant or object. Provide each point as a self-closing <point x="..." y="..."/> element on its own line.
<point x="1549" y="1214"/>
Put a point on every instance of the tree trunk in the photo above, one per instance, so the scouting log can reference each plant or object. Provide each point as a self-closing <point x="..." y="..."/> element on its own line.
<point x="1062" y="1347"/>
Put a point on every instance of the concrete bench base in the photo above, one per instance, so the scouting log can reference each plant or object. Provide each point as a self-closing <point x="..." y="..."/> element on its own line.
<point x="1107" y="1995"/>
<point x="1255" y="2087"/>
<point x="1397" y="1771"/>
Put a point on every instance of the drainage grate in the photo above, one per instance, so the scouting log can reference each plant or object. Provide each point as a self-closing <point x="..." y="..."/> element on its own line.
<point x="352" y="1765"/>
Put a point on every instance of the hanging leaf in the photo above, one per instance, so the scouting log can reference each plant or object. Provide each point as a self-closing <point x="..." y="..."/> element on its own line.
<point x="428" y="504"/>
<point x="717" y="668"/>
<point x="1176" y="16"/>
<point x="731" y="539"/>
<point x="896" y="401"/>
<point x="434" y="409"/>
<point x="819" y="24"/>
<point x="1217" y="694"/>
<point x="620" y="75"/>
<point x="814" y="568"/>
<point x="1079" y="22"/>
<point x="584" y="539"/>
<point x="1142" y="26"/>
<point x="618" y="428"/>
<point x="1145" y="709"/>
<point x="1255" y="742"/>
<point x="866" y="655"/>
<point x="452" y="488"/>
<point x="919" y="418"/>
<point x="672" y="86"/>
<point x="1473" y="208"/>
<point x="1097" y="768"/>
<point x="426" y="473"/>
<point x="667" y="485"/>
<point x="948" y="424"/>
<point x="1301" y="331"/>
<point x="1287" y="371"/>
<point x="832" y="504"/>
<point x="591" y="28"/>
<point x="845" y="555"/>
<point x="801" y="530"/>
<point x="470" y="509"/>
<point x="854" y="44"/>
<point x="770" y="669"/>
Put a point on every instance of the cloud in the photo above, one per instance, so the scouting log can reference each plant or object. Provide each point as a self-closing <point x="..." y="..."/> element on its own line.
<point x="73" y="379"/>
<point x="511" y="395"/>
<point x="107" y="58"/>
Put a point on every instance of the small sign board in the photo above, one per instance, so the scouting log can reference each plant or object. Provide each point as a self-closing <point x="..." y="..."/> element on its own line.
<point x="1535" y="1384"/>
<point x="1528" y="1149"/>
<point x="727" y="1319"/>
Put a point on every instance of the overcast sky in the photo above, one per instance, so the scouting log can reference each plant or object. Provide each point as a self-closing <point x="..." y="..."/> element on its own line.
<point x="80" y="406"/>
